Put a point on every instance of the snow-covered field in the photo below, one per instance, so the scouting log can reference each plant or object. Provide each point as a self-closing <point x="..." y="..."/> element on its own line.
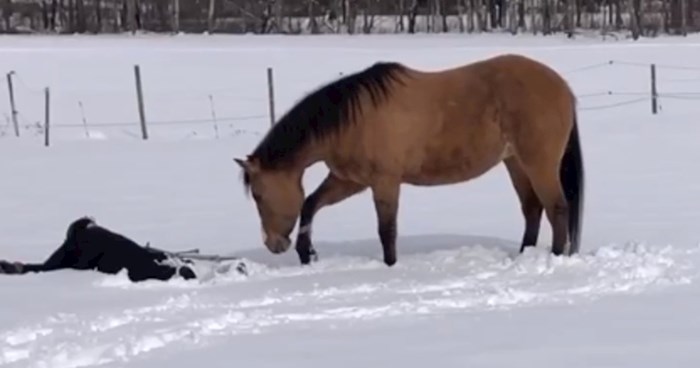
<point x="460" y="295"/>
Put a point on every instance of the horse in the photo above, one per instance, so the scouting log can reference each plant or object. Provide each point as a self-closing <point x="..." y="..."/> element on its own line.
<point x="391" y="124"/>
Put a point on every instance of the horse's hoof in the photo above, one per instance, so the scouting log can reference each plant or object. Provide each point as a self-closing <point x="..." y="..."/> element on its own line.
<point x="304" y="258"/>
<point x="307" y="257"/>
<point x="390" y="261"/>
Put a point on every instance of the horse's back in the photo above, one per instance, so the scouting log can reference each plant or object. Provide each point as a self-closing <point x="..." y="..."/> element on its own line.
<point x="452" y="125"/>
<point x="519" y="77"/>
<point x="477" y="114"/>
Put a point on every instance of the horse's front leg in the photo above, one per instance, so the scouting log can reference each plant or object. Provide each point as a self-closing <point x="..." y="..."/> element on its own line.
<point x="386" y="203"/>
<point x="331" y="191"/>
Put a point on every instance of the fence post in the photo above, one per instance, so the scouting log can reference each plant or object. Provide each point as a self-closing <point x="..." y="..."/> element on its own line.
<point x="47" y="116"/>
<point x="12" y="102"/>
<point x="82" y="114"/>
<point x="139" y="95"/>
<point x="213" y="116"/>
<point x="654" y="94"/>
<point x="271" y="95"/>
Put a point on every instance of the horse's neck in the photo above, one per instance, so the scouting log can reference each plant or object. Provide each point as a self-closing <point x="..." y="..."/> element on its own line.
<point x="316" y="152"/>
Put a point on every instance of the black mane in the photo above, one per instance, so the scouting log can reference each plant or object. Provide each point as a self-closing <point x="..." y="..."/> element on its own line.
<point x="324" y="112"/>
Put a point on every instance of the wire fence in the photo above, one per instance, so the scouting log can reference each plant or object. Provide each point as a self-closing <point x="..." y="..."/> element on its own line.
<point x="213" y="106"/>
<point x="652" y="95"/>
<point x="112" y="106"/>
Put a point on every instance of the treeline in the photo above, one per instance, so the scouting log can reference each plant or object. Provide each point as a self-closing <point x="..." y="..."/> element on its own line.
<point x="639" y="17"/>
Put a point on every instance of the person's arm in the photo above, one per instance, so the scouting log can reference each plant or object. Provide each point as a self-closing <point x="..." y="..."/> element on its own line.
<point x="66" y="256"/>
<point x="31" y="267"/>
<point x="59" y="259"/>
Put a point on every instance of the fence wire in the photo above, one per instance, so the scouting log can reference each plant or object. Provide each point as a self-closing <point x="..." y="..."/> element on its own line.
<point x="631" y="63"/>
<point x="613" y="105"/>
<point x="26" y="123"/>
<point x="164" y="122"/>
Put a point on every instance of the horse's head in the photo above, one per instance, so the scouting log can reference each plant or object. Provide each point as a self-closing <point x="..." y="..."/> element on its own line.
<point x="278" y="197"/>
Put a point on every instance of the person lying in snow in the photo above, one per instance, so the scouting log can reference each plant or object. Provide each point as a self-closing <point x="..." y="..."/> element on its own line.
<point x="89" y="246"/>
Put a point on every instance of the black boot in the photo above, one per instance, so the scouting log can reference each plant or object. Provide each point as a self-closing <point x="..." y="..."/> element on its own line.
<point x="186" y="273"/>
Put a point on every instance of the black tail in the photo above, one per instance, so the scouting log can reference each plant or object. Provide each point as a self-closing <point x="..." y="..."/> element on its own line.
<point x="571" y="175"/>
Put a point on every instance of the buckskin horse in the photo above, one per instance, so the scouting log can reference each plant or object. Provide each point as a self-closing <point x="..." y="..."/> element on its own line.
<point x="390" y="124"/>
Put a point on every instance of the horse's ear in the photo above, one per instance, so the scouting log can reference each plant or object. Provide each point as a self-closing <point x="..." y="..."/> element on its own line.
<point x="242" y="163"/>
<point x="250" y="166"/>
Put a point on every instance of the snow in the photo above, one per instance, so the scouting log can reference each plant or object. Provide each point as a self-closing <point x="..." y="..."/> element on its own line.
<point x="460" y="294"/>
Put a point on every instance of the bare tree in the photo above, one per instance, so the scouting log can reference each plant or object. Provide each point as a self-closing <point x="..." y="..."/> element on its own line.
<point x="176" y="16"/>
<point x="210" y="16"/>
<point x="641" y="18"/>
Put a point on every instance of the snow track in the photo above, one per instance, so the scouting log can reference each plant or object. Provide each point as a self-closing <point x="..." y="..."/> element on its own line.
<point x="462" y="280"/>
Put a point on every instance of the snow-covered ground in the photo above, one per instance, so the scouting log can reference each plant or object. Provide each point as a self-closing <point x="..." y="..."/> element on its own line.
<point x="460" y="296"/>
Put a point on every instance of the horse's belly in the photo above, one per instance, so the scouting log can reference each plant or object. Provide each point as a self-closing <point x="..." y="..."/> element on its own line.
<point x="452" y="169"/>
<point x="444" y="177"/>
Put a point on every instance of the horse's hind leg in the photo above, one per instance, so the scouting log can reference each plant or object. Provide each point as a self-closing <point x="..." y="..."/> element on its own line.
<point x="331" y="191"/>
<point x="545" y="181"/>
<point x="529" y="202"/>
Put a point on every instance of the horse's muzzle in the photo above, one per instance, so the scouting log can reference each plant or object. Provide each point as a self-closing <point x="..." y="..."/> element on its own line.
<point x="277" y="244"/>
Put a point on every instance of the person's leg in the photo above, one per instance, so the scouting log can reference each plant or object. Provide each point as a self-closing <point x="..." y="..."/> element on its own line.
<point x="159" y="267"/>
<point x="144" y="272"/>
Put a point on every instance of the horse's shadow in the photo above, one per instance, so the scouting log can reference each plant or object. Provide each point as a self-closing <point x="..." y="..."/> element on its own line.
<point x="371" y="248"/>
